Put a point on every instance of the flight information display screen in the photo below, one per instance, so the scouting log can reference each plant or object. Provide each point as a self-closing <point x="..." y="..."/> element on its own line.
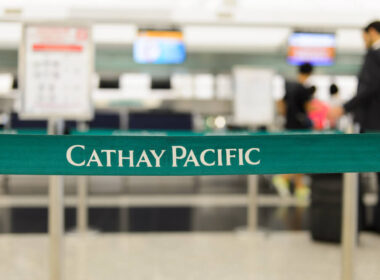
<point x="315" y="48"/>
<point x="159" y="47"/>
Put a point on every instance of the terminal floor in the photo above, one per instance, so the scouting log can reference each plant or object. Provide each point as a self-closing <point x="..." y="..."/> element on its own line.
<point x="221" y="256"/>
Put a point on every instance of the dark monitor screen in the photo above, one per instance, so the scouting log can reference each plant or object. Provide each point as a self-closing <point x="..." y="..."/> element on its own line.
<point x="161" y="83"/>
<point x="109" y="82"/>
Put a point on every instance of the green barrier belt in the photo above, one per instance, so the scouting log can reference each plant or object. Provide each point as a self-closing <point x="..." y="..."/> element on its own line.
<point x="117" y="132"/>
<point x="189" y="155"/>
<point x="24" y="131"/>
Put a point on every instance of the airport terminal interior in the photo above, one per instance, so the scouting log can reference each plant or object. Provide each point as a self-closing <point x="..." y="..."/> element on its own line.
<point x="186" y="68"/>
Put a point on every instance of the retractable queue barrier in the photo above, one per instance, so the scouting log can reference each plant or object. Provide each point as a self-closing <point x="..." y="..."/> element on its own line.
<point x="200" y="154"/>
<point x="189" y="155"/>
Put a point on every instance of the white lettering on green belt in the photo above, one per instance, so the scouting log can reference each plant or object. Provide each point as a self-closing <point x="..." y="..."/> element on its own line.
<point x="180" y="157"/>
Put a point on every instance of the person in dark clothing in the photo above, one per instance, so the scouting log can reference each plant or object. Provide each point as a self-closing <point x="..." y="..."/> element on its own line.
<point x="296" y="99"/>
<point x="366" y="104"/>
<point x="294" y="107"/>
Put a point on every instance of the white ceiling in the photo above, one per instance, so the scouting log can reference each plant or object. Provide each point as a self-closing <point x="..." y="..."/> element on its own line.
<point x="219" y="25"/>
<point x="319" y="13"/>
<point x="200" y="37"/>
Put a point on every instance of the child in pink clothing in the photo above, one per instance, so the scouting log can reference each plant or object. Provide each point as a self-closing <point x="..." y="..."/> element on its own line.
<point x="318" y="111"/>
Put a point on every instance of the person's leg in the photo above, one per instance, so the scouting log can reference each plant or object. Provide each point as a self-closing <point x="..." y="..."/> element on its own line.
<point x="288" y="176"/>
<point x="301" y="190"/>
<point x="281" y="184"/>
<point x="298" y="181"/>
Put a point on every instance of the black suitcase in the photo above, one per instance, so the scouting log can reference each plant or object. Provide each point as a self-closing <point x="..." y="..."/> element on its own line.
<point x="326" y="207"/>
<point x="376" y="222"/>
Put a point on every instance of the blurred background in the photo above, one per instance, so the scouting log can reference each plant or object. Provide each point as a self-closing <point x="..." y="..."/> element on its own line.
<point x="187" y="65"/>
<point x="175" y="65"/>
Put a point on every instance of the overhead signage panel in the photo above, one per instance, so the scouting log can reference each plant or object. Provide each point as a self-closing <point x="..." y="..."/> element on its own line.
<point x="56" y="66"/>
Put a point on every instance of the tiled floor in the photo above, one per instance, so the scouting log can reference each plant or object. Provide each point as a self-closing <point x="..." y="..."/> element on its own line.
<point x="221" y="256"/>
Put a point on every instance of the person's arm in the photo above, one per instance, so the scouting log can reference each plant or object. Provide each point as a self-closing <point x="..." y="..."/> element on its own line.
<point x="364" y="94"/>
<point x="368" y="87"/>
<point x="309" y="106"/>
<point x="281" y="104"/>
<point x="308" y="95"/>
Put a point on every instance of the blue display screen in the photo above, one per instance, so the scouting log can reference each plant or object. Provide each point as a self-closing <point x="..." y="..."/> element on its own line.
<point x="159" y="47"/>
<point x="315" y="48"/>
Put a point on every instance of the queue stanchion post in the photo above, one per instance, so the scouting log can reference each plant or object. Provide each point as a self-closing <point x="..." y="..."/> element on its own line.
<point x="56" y="219"/>
<point x="349" y="220"/>
<point x="59" y="105"/>
<point x="252" y="206"/>
<point x="82" y="209"/>
<point x="124" y="210"/>
<point x="6" y="214"/>
<point x="349" y="224"/>
<point x="82" y="194"/>
<point x="56" y="227"/>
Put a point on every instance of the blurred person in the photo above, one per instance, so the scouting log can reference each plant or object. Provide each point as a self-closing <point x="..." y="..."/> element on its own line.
<point x="295" y="106"/>
<point x="297" y="99"/>
<point x="335" y="99"/>
<point x="318" y="114"/>
<point x="366" y="104"/>
<point x="319" y="110"/>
